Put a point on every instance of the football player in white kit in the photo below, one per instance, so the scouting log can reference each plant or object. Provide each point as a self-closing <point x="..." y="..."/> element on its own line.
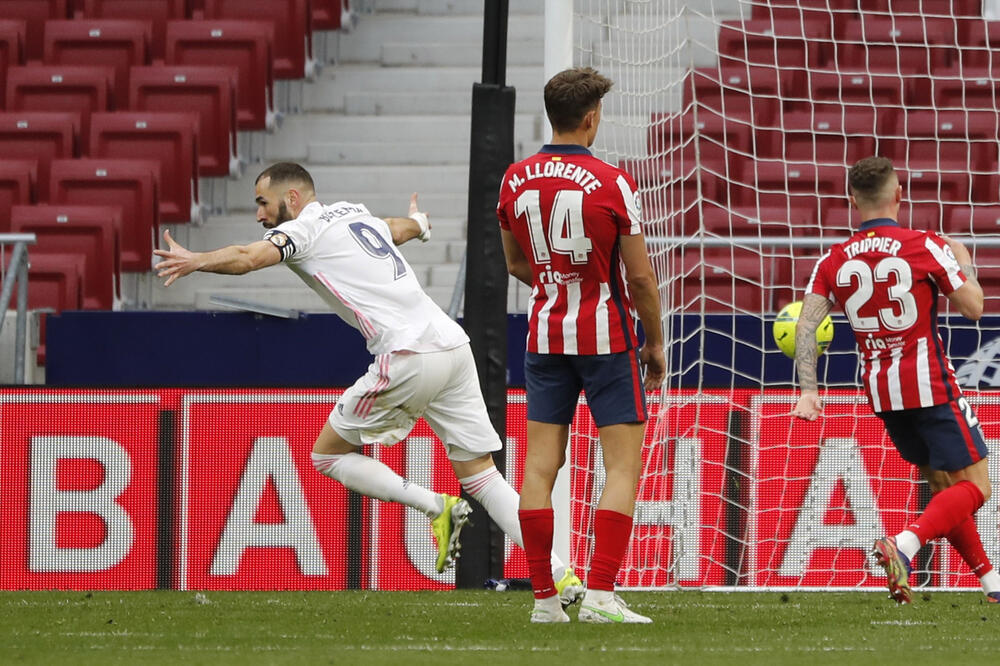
<point x="423" y="364"/>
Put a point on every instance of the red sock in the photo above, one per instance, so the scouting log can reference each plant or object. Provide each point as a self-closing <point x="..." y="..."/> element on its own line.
<point x="965" y="539"/>
<point x="611" y="534"/>
<point x="536" y="531"/>
<point x="947" y="510"/>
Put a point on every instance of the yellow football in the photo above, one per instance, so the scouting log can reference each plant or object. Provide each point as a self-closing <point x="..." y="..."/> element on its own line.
<point x="784" y="330"/>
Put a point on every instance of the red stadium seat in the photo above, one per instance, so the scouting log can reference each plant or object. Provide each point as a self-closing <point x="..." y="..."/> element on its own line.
<point x="748" y="221"/>
<point x="90" y="230"/>
<point x="980" y="45"/>
<point x="128" y="184"/>
<point x="929" y="182"/>
<point x="55" y="280"/>
<point x="115" y="43"/>
<point x="856" y="91"/>
<point x="292" y="28"/>
<point x="807" y="187"/>
<point x="794" y="10"/>
<point x="771" y="221"/>
<point x="157" y="12"/>
<point x="34" y="13"/>
<point x="927" y="7"/>
<point x="39" y="136"/>
<point x="968" y="136"/>
<point x="968" y="89"/>
<point x="839" y="221"/>
<point x="55" y="283"/>
<point x="245" y="45"/>
<point x="903" y="44"/>
<point x="801" y="267"/>
<point x="208" y="91"/>
<point x="11" y="52"/>
<point x="168" y="138"/>
<point x="675" y="178"/>
<point x="727" y="278"/>
<point x="326" y="14"/>
<point x="723" y="144"/>
<point x="73" y="88"/>
<point x="17" y="187"/>
<point x="973" y="220"/>
<point x="824" y="136"/>
<point x="777" y="43"/>
<point x="748" y="92"/>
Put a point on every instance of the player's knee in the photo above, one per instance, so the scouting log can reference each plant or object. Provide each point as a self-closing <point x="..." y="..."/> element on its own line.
<point x="327" y="464"/>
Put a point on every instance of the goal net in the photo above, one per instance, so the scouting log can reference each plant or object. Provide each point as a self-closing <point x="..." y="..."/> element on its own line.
<point x="738" y="119"/>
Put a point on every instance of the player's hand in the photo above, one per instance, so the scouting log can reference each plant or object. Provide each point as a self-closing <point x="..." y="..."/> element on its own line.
<point x="809" y="407"/>
<point x="420" y="218"/>
<point x="655" y="363"/>
<point x="177" y="262"/>
<point x="958" y="249"/>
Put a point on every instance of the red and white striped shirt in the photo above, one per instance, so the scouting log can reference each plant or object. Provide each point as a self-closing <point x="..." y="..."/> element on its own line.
<point x="888" y="279"/>
<point x="566" y="209"/>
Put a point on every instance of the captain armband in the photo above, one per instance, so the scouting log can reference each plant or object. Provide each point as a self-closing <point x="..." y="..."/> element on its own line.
<point x="282" y="241"/>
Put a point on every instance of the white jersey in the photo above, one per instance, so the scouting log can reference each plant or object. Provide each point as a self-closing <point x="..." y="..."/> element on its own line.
<point x="346" y="255"/>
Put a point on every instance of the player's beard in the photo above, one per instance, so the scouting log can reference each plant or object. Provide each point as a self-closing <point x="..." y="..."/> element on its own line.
<point x="282" y="216"/>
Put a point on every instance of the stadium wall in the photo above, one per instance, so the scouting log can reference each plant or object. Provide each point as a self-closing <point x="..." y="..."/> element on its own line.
<point x="214" y="490"/>
<point x="240" y="349"/>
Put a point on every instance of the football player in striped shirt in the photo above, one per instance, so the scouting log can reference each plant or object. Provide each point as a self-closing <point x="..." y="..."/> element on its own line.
<point x="571" y="230"/>
<point x="423" y="364"/>
<point x="887" y="278"/>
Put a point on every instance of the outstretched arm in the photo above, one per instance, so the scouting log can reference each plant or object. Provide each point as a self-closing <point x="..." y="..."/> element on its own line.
<point x="407" y="228"/>
<point x="178" y="261"/>
<point x="814" y="309"/>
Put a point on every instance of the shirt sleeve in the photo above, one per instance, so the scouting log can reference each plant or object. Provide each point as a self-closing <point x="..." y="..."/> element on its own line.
<point x="819" y="282"/>
<point x="501" y="207"/>
<point x="291" y="238"/>
<point x="943" y="267"/>
<point x="628" y="209"/>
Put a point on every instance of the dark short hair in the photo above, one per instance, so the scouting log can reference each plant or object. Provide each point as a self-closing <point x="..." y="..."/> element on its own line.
<point x="572" y="94"/>
<point x="867" y="178"/>
<point x="284" y="173"/>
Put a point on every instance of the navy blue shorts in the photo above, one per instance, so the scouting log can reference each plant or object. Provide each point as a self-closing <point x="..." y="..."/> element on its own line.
<point x="612" y="383"/>
<point x="946" y="437"/>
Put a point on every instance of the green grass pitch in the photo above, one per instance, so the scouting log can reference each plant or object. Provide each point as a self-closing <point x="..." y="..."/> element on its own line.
<point x="486" y="627"/>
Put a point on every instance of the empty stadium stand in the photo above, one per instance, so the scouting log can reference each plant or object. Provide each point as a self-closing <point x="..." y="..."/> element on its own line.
<point x="156" y="12"/>
<point x="40" y="136"/>
<point x="209" y="92"/>
<point x="244" y="45"/>
<point x="171" y="139"/>
<point x="115" y="43"/>
<point x="91" y="231"/>
<point x="128" y="184"/>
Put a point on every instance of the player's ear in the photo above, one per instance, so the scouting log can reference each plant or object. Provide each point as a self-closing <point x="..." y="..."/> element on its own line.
<point x="854" y="202"/>
<point x="899" y="193"/>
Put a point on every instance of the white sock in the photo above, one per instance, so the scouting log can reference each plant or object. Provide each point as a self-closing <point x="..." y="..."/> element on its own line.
<point x="551" y="604"/>
<point x="908" y="543"/>
<point x="990" y="581"/>
<point x="375" y="479"/>
<point x="501" y="501"/>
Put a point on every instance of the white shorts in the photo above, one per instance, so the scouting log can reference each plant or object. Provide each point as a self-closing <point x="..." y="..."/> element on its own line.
<point x="399" y="388"/>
